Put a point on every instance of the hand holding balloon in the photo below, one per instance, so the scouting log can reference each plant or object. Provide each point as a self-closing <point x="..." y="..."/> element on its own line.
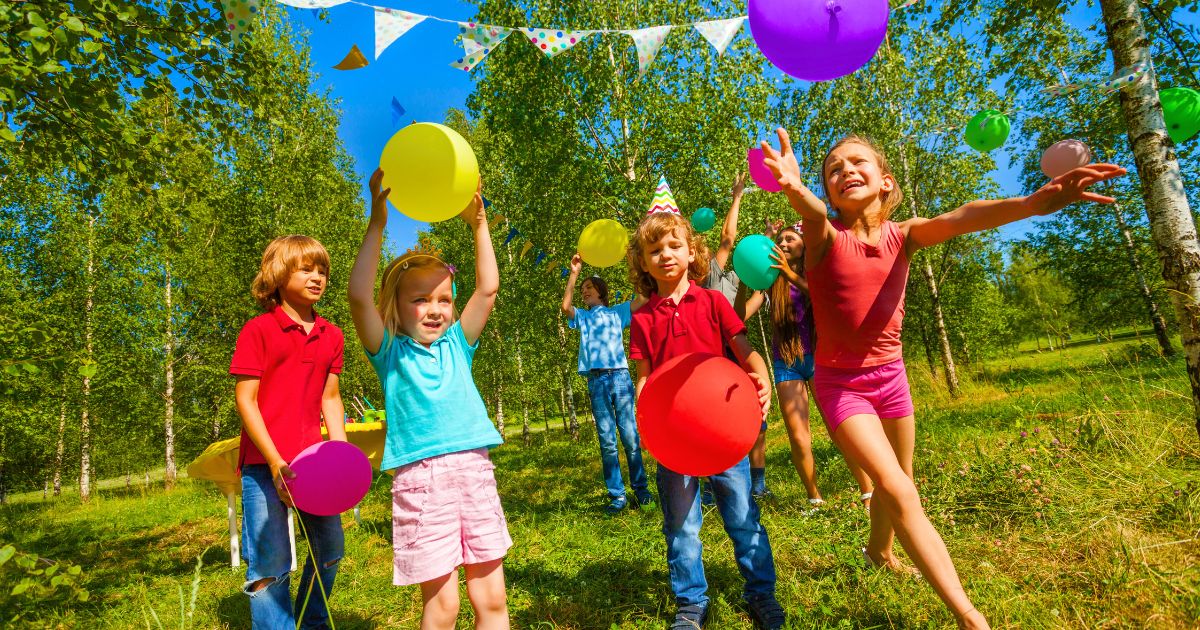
<point x="784" y="268"/>
<point x="1071" y="187"/>
<point x="474" y="213"/>
<point x="764" y="392"/>
<point x="576" y="263"/>
<point x="378" y="198"/>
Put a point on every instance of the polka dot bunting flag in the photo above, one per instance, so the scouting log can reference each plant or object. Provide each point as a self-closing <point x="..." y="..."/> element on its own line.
<point x="720" y="32"/>
<point x="648" y="41"/>
<point x="390" y="24"/>
<point x="477" y="37"/>
<point x="238" y="17"/>
<point x="312" y="4"/>
<point x="468" y="62"/>
<point x="552" y="41"/>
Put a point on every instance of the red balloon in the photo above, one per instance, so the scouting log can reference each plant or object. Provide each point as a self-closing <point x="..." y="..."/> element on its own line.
<point x="699" y="414"/>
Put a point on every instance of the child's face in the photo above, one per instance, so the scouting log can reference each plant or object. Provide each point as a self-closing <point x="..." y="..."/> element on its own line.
<point x="591" y="296"/>
<point x="668" y="258"/>
<point x="426" y="303"/>
<point x="853" y="178"/>
<point x="305" y="285"/>
<point x="791" y="244"/>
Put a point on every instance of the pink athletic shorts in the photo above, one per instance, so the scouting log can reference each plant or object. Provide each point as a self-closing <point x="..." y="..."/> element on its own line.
<point x="881" y="390"/>
<point x="446" y="513"/>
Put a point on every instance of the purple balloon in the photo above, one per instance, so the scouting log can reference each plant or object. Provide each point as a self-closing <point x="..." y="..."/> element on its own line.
<point x="331" y="477"/>
<point x="818" y="40"/>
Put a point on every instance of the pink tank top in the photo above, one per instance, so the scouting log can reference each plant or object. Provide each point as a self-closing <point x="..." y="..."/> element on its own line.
<point x="858" y="299"/>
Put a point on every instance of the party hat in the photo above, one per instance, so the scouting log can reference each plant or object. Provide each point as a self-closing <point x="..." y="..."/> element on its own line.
<point x="664" y="201"/>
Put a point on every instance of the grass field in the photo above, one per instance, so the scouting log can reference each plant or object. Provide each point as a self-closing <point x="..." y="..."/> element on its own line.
<point x="1066" y="485"/>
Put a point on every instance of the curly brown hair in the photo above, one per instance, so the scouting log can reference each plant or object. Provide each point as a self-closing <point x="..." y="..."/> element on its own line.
<point x="891" y="200"/>
<point x="652" y="228"/>
<point x="283" y="256"/>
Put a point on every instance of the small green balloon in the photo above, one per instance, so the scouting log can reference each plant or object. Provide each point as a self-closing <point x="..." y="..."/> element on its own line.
<point x="987" y="130"/>
<point x="1181" y="112"/>
<point x="752" y="262"/>
<point x="703" y="219"/>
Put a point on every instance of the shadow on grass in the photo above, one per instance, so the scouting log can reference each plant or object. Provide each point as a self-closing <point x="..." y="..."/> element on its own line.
<point x="234" y="609"/>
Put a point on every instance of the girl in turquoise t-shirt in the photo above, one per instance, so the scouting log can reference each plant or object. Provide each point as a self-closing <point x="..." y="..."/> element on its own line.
<point x="446" y="512"/>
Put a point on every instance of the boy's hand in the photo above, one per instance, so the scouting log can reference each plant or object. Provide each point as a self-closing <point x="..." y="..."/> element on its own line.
<point x="576" y="263"/>
<point x="739" y="185"/>
<point x="378" y="198"/>
<point x="474" y="214"/>
<point x="783" y="163"/>
<point x="764" y="392"/>
<point x="1071" y="187"/>
<point x="281" y="473"/>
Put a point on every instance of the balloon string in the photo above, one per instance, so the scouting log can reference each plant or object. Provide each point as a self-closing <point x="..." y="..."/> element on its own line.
<point x="316" y="569"/>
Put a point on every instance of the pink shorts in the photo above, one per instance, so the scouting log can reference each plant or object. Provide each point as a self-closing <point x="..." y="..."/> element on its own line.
<point x="881" y="390"/>
<point x="446" y="513"/>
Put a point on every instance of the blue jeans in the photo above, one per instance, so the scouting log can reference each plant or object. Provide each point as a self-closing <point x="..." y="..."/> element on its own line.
<point x="266" y="548"/>
<point x="682" y="518"/>
<point x="612" y="405"/>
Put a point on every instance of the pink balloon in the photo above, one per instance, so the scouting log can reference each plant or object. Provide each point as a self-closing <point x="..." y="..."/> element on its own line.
<point x="762" y="176"/>
<point x="331" y="477"/>
<point x="818" y="40"/>
<point x="1065" y="156"/>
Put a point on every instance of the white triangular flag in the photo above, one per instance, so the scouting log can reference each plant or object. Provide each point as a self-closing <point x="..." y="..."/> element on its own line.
<point x="648" y="41"/>
<point x="390" y="24"/>
<point x="552" y="41"/>
<point x="477" y="37"/>
<point x="720" y="32"/>
<point x="312" y="4"/>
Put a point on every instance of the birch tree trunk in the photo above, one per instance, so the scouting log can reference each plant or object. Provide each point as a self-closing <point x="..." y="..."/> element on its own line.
<point x="524" y="403"/>
<point x="1172" y="225"/>
<point x="169" y="390"/>
<point x="85" y="427"/>
<point x="568" y="386"/>
<point x="1156" y="318"/>
<point x="58" y="450"/>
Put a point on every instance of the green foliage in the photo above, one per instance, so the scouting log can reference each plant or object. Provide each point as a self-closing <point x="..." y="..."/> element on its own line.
<point x="30" y="584"/>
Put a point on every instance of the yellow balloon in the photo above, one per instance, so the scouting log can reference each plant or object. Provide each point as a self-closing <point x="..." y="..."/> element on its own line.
<point x="431" y="170"/>
<point x="602" y="243"/>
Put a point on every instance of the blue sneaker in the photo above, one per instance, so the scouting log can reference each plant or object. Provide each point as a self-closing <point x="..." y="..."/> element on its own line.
<point x="615" y="506"/>
<point x="706" y="495"/>
<point x="643" y="499"/>
<point x="691" y="617"/>
<point x="766" y="612"/>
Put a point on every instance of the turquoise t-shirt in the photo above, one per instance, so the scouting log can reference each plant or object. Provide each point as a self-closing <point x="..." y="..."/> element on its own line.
<point x="433" y="407"/>
<point x="601" y="344"/>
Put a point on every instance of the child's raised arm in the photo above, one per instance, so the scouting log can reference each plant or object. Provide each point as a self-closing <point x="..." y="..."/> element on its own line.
<point x="568" y="309"/>
<point x="980" y="215"/>
<point x="818" y="232"/>
<point x="487" y="275"/>
<point x="729" y="228"/>
<point x="367" y="322"/>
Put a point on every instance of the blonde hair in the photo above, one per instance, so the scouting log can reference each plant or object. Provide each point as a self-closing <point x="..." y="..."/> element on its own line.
<point x="891" y="200"/>
<point x="283" y="256"/>
<point x="652" y="228"/>
<point x="388" y="300"/>
<point x="785" y="329"/>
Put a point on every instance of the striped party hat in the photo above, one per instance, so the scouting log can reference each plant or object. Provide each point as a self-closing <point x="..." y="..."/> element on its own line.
<point x="664" y="201"/>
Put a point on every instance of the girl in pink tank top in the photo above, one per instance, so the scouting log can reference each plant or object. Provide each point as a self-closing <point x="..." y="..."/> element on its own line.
<point x="857" y="270"/>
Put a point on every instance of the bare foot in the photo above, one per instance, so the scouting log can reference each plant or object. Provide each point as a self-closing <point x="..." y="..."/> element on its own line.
<point x="972" y="619"/>
<point x="891" y="563"/>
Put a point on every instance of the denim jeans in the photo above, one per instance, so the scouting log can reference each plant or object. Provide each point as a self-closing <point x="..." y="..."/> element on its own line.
<point x="612" y="405"/>
<point x="267" y="551"/>
<point x="682" y="518"/>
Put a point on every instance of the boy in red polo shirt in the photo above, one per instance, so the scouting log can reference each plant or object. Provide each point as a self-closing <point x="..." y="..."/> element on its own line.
<point x="665" y="259"/>
<point x="287" y="362"/>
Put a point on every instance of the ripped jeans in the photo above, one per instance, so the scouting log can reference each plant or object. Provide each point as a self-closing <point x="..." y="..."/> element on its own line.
<point x="266" y="548"/>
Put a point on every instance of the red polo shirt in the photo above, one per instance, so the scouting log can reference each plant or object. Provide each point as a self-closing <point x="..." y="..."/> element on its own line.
<point x="292" y="367"/>
<point x="702" y="321"/>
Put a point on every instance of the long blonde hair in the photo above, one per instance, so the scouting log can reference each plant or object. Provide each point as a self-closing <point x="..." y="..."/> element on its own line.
<point x="652" y="228"/>
<point x="388" y="300"/>
<point x="281" y="257"/>
<point x="891" y="200"/>
<point x="785" y="329"/>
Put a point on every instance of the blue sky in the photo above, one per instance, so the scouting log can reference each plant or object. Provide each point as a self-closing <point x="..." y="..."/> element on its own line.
<point x="415" y="69"/>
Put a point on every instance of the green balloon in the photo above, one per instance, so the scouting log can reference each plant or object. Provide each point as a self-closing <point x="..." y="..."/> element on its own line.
<point x="703" y="219"/>
<point x="987" y="130"/>
<point x="1181" y="112"/>
<point x="752" y="262"/>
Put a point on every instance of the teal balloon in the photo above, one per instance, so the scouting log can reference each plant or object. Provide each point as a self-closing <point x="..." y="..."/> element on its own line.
<point x="752" y="262"/>
<point x="987" y="130"/>
<point x="1181" y="112"/>
<point x="703" y="219"/>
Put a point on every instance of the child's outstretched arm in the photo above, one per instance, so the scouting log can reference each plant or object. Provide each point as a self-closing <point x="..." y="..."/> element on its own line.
<point x="982" y="215"/>
<point x="568" y="309"/>
<point x="748" y="302"/>
<point x="368" y="325"/>
<point x="818" y="232"/>
<point x="729" y="229"/>
<point x="487" y="275"/>
<point x="754" y="365"/>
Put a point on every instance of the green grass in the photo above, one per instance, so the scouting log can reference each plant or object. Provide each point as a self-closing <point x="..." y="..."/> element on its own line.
<point x="1089" y="521"/>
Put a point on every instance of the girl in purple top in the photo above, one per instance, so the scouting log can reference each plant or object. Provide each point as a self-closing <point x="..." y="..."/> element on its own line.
<point x="792" y="356"/>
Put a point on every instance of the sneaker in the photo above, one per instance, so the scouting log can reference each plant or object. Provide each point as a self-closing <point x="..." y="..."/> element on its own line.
<point x="643" y="499"/>
<point x="615" y="506"/>
<point x="766" y="612"/>
<point x="690" y="617"/>
<point x="706" y="494"/>
<point x="762" y="494"/>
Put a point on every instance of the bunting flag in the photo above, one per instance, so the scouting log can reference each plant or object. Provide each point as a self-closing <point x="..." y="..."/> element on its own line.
<point x="525" y="249"/>
<point x="664" y="201"/>
<point x="512" y="233"/>
<point x="648" y="41"/>
<point x="907" y="4"/>
<point x="477" y="37"/>
<point x="537" y="260"/>
<point x="618" y="300"/>
<point x="468" y="62"/>
<point x="553" y="41"/>
<point x="565" y="272"/>
<point x="1116" y="81"/>
<point x="486" y="202"/>
<point x="353" y="60"/>
<point x="496" y="220"/>
<point x="397" y="111"/>
<point x="312" y="4"/>
<point x="238" y="17"/>
<point x="720" y="32"/>
<point x="390" y="24"/>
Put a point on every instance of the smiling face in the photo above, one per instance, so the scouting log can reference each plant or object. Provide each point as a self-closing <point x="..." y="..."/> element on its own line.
<point x="426" y="303"/>
<point x="591" y="295"/>
<point x="667" y="259"/>
<point x="305" y="284"/>
<point x="855" y="180"/>
<point x="791" y="243"/>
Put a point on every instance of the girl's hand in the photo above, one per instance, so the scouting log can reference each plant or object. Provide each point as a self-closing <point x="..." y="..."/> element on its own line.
<point x="474" y="214"/>
<point x="378" y="198"/>
<point x="576" y="263"/>
<point x="783" y="163"/>
<point x="1071" y="187"/>
<point x="782" y="265"/>
<point x="764" y="392"/>
<point x="739" y="185"/>
<point x="772" y="228"/>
